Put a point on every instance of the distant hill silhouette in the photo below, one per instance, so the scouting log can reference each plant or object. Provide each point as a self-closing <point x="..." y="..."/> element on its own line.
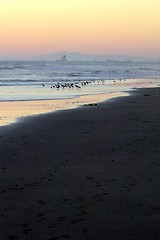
<point x="76" y="56"/>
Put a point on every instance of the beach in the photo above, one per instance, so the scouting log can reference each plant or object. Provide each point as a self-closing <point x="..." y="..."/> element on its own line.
<point x="91" y="173"/>
<point x="12" y="111"/>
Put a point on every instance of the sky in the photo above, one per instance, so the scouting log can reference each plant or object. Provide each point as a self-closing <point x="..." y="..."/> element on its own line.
<point x="36" y="27"/>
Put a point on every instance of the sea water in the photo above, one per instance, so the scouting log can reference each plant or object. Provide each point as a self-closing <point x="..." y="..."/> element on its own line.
<point x="40" y="80"/>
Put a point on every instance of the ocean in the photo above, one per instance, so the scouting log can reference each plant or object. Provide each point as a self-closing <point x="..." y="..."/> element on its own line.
<point x="40" y="80"/>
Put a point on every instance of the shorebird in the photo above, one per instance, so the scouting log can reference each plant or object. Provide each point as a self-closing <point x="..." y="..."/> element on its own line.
<point x="77" y="86"/>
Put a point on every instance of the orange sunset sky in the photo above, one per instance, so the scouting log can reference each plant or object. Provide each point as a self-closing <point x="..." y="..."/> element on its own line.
<point x="34" y="27"/>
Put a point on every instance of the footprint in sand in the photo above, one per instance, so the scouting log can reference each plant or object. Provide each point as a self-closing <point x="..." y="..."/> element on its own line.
<point x="12" y="237"/>
<point x="54" y="238"/>
<point x="65" y="236"/>
<point x="77" y="220"/>
<point x="27" y="231"/>
<point x="84" y="230"/>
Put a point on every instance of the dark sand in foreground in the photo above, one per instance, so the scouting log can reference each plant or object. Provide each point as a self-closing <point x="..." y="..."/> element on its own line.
<point x="88" y="173"/>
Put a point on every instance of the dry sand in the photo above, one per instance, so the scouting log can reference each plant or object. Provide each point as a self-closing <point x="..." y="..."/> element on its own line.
<point x="87" y="173"/>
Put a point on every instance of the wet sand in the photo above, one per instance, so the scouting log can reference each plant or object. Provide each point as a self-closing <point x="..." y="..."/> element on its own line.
<point x="11" y="111"/>
<point x="86" y="173"/>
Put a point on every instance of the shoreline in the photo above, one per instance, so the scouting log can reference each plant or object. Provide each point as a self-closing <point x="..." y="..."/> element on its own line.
<point x="89" y="173"/>
<point x="13" y="111"/>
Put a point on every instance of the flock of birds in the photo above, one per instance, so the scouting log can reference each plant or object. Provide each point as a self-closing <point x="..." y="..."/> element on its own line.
<point x="71" y="85"/>
<point x="78" y="85"/>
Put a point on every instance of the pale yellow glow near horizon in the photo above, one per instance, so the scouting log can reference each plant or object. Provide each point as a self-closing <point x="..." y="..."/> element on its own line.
<point x="99" y="26"/>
